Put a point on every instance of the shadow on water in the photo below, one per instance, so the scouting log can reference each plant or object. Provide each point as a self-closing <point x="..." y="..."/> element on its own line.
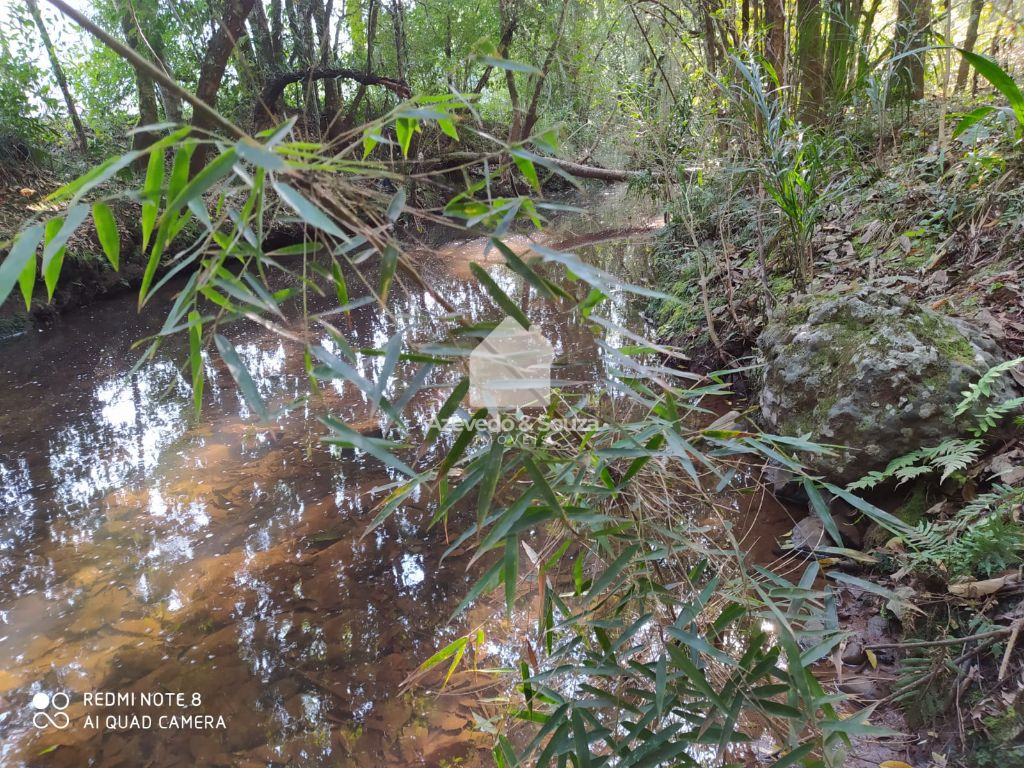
<point x="143" y="552"/>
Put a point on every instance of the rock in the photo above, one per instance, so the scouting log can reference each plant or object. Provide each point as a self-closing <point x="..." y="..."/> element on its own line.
<point x="809" y="534"/>
<point x="853" y="654"/>
<point x="873" y="371"/>
<point x="864" y="687"/>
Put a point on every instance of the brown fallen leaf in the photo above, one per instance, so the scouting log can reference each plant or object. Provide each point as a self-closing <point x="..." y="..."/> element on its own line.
<point x="984" y="587"/>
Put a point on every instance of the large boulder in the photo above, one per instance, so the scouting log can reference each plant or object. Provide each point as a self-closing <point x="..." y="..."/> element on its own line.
<point x="873" y="371"/>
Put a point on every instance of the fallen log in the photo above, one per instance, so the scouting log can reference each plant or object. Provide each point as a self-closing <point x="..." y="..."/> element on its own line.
<point x="573" y="169"/>
<point x="595" y="172"/>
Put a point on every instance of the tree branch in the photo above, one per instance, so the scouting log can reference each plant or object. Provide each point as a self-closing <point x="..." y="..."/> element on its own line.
<point x="275" y="87"/>
<point x="149" y="69"/>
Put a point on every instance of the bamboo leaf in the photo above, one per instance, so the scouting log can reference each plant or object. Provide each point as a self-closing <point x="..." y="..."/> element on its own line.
<point x="972" y="118"/>
<point x="1000" y="79"/>
<point x="500" y="297"/>
<point x="107" y="233"/>
<point x="151" y="194"/>
<point x="195" y="344"/>
<point x="21" y="262"/>
<point x="202" y="182"/>
<point x="388" y="264"/>
<point x="242" y="377"/>
<point x="311" y="213"/>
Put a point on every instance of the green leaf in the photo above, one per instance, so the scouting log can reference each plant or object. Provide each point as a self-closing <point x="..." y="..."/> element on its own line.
<point x="369" y="142"/>
<point x="203" y="181"/>
<point x="972" y="118"/>
<point x="151" y="194"/>
<point x="889" y="522"/>
<point x="1002" y="81"/>
<point x="581" y="740"/>
<point x="57" y="234"/>
<point x="526" y="167"/>
<point x="94" y="177"/>
<point x="511" y="66"/>
<point x="483" y="584"/>
<point x="500" y="297"/>
<point x="448" y="128"/>
<point x="340" y="286"/>
<point x="822" y="511"/>
<point x="610" y="574"/>
<point x="53" y="260"/>
<point x="404" y="129"/>
<point x="382" y="450"/>
<point x="492" y="473"/>
<point x="21" y="262"/>
<point x="396" y="206"/>
<point x="260" y="156"/>
<point x="107" y="233"/>
<point x="311" y="213"/>
<point x="547" y="288"/>
<point x="179" y="170"/>
<point x="796" y="755"/>
<point x="195" y="348"/>
<point x="510" y="571"/>
<point x="450" y="405"/>
<point x="242" y="377"/>
<point x="388" y="264"/>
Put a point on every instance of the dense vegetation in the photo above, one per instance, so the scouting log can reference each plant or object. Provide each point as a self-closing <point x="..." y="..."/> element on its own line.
<point x="253" y="158"/>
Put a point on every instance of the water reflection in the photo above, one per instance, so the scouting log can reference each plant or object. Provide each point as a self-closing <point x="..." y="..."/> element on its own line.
<point x="142" y="551"/>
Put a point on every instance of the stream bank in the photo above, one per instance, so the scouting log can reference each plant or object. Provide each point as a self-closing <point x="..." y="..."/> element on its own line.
<point x="951" y="478"/>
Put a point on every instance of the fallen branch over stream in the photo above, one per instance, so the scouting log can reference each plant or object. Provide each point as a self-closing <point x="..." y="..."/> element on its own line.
<point x="595" y="172"/>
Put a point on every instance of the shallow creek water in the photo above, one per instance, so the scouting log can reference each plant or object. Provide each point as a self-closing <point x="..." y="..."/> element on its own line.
<point x="143" y="552"/>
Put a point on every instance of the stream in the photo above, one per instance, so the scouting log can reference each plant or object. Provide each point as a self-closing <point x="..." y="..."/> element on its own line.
<point x="214" y="575"/>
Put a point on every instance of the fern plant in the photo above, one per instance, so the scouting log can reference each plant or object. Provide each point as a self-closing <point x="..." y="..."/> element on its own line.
<point x="981" y="389"/>
<point x="956" y="453"/>
<point x="947" y="457"/>
<point x="981" y="539"/>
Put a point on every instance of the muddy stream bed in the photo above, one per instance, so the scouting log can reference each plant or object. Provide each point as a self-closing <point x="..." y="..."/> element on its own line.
<point x="215" y="574"/>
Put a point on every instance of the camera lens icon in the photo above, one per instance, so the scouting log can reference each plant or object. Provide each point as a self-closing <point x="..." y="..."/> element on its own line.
<point x="58" y="718"/>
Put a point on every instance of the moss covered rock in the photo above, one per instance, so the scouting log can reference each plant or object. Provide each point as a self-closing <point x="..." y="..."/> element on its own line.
<point x="871" y="371"/>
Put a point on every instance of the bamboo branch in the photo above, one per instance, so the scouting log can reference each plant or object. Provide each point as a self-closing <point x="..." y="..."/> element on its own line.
<point x="945" y="641"/>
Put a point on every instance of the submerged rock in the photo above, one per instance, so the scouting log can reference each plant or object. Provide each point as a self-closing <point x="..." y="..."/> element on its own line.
<point x="873" y="371"/>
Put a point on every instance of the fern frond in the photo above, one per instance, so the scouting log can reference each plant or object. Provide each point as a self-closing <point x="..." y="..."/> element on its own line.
<point x="983" y="386"/>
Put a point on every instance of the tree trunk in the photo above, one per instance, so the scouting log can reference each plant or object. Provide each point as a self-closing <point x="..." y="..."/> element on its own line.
<point x="507" y="31"/>
<point x="211" y="72"/>
<point x="397" y="13"/>
<point x="58" y="75"/>
<point x="842" y="36"/>
<point x="531" y="113"/>
<point x="864" y="43"/>
<point x="267" y="55"/>
<point x="810" y="60"/>
<point x="332" y="94"/>
<point x="912" y="20"/>
<point x="371" y="37"/>
<point x="146" y="90"/>
<point x="775" y="38"/>
<point x="969" y="42"/>
<point x="146" y="16"/>
<point x="710" y="40"/>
